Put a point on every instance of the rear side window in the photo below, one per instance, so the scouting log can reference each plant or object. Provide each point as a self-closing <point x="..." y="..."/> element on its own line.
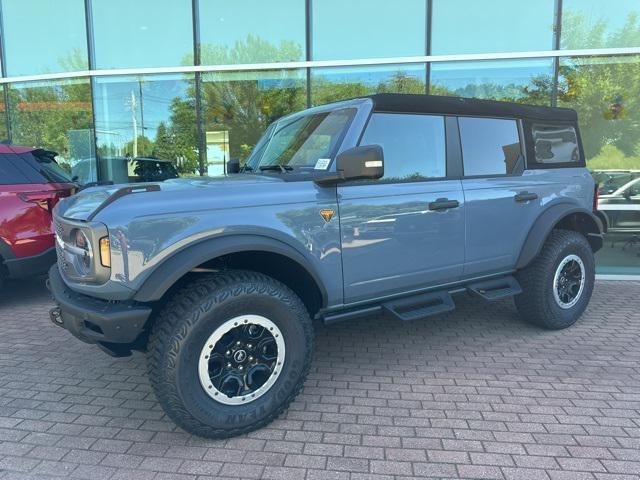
<point x="9" y="173"/>
<point x="490" y="146"/>
<point x="413" y="145"/>
<point x="555" y="144"/>
<point x="46" y="165"/>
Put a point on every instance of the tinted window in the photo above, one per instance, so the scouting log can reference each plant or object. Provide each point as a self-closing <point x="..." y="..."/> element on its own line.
<point x="44" y="36"/>
<point x="413" y="145"/>
<point x="251" y="31"/>
<point x="490" y="146"/>
<point x="555" y="144"/>
<point x="472" y="26"/>
<point x="375" y="28"/>
<point x="9" y="174"/>
<point x="340" y="83"/>
<point x="46" y="165"/>
<point x="598" y="24"/>
<point x="142" y="33"/>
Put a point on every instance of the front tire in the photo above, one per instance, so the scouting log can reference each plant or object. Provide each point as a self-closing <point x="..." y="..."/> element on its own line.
<point x="229" y="353"/>
<point x="557" y="285"/>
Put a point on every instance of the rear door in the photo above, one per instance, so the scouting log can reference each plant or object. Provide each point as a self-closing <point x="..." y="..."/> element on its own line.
<point x="501" y="202"/>
<point x="404" y="231"/>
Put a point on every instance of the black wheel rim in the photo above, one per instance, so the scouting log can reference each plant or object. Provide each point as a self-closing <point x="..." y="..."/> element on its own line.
<point x="241" y="359"/>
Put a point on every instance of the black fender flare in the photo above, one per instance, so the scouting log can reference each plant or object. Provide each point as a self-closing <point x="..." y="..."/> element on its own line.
<point x="179" y="264"/>
<point x="548" y="220"/>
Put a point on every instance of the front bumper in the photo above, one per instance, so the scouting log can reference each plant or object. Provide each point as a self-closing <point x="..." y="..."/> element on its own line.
<point x="93" y="320"/>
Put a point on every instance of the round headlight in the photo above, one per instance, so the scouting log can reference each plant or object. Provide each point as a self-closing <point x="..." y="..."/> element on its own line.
<point x="82" y="242"/>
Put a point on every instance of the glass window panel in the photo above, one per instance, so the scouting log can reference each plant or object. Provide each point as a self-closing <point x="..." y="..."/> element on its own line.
<point x="44" y="36"/>
<point x="238" y="107"/>
<point x="332" y="84"/>
<point x="523" y="81"/>
<point x="367" y="28"/>
<point x="251" y="31"/>
<point x="413" y="145"/>
<point x="600" y="24"/>
<point x="304" y="144"/>
<point x="142" y="33"/>
<point x="554" y="144"/>
<point x="490" y="146"/>
<point x="56" y="115"/>
<point x="4" y="134"/>
<point x="604" y="93"/>
<point x="146" y="117"/>
<point x="472" y="26"/>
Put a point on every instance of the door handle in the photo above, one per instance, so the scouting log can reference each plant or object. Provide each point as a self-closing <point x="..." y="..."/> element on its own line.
<point x="443" y="204"/>
<point x="525" y="197"/>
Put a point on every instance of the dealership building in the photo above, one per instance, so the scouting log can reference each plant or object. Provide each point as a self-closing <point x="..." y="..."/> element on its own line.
<point x="196" y="82"/>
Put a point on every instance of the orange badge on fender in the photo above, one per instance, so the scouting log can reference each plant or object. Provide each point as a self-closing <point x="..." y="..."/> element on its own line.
<point x="327" y="214"/>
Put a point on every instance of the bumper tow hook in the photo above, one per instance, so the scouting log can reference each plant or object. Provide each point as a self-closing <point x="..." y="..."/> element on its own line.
<point x="55" y="314"/>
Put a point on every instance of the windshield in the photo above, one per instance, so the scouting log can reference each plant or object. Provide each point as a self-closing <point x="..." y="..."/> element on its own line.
<point x="306" y="143"/>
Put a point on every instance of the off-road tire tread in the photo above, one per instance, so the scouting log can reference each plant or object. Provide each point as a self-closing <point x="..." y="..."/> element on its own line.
<point x="179" y="313"/>
<point x="533" y="280"/>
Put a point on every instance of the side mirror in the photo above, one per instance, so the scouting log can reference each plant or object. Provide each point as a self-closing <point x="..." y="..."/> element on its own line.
<point x="627" y="194"/>
<point x="365" y="162"/>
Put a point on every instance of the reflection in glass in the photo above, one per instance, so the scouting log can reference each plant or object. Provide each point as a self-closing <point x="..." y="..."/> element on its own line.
<point x="600" y="90"/>
<point x="142" y="33"/>
<point x="332" y="84"/>
<point x="238" y="107"/>
<point x="413" y="145"/>
<point x="522" y="81"/>
<point x="599" y="24"/>
<point x="149" y="116"/>
<point x="490" y="146"/>
<point x="56" y="115"/>
<point x="472" y="26"/>
<point x="4" y="134"/>
<point x="32" y="43"/>
<point x="251" y="31"/>
<point x="367" y="29"/>
<point x="305" y="143"/>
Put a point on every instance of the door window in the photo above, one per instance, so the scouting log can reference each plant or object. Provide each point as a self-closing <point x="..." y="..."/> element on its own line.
<point x="413" y="145"/>
<point x="490" y="146"/>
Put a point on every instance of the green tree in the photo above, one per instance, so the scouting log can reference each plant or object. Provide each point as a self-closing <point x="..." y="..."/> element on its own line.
<point x="604" y="91"/>
<point x="145" y="147"/>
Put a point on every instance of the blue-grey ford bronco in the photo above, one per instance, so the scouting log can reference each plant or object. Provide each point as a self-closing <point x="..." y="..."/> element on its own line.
<point x="382" y="205"/>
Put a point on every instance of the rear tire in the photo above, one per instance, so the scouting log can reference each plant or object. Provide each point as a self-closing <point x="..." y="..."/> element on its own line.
<point x="210" y="376"/>
<point x="557" y="285"/>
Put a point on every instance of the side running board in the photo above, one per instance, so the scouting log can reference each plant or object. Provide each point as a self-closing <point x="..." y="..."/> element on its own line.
<point x="496" y="289"/>
<point x="420" y="306"/>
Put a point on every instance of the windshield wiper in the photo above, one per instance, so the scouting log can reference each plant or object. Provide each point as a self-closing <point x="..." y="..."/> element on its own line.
<point x="246" y="168"/>
<point x="277" y="167"/>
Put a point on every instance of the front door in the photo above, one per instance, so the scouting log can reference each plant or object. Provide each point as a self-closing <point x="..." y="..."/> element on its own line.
<point x="404" y="231"/>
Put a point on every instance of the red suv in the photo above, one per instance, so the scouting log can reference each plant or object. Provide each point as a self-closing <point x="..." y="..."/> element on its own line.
<point x="31" y="183"/>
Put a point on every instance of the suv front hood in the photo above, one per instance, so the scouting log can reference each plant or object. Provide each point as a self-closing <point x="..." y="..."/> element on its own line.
<point x="85" y="203"/>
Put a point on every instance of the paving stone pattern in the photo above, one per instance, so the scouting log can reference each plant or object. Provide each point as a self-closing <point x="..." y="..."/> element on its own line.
<point x="472" y="394"/>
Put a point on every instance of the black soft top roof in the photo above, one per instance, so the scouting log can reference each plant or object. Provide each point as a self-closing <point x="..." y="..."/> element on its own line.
<point x="401" y="102"/>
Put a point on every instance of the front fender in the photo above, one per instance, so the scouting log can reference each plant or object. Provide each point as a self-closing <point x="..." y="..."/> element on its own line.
<point x="177" y="265"/>
<point x="548" y="220"/>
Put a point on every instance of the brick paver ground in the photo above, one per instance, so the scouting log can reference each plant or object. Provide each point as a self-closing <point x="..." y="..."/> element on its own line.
<point x="472" y="394"/>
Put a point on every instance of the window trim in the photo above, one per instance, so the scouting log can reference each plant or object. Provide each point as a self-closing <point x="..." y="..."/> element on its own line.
<point x="447" y="163"/>
<point x="521" y="140"/>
